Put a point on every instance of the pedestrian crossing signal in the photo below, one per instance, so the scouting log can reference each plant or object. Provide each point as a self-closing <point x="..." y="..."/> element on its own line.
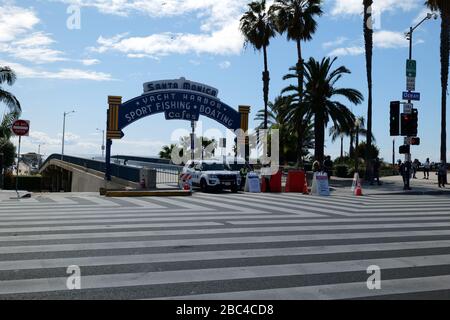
<point x="415" y="141"/>
<point x="405" y="149"/>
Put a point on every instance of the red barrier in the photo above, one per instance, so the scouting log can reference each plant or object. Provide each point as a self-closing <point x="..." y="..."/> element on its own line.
<point x="295" y="181"/>
<point x="274" y="184"/>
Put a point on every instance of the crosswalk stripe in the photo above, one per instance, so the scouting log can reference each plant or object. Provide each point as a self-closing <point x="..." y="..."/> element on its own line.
<point x="248" y="231"/>
<point x="330" y="291"/>
<point x="215" y="274"/>
<point x="123" y="243"/>
<point x="167" y="243"/>
<point x="219" y="254"/>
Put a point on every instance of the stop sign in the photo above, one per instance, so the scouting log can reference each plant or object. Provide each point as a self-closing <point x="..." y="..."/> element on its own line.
<point x="21" y="127"/>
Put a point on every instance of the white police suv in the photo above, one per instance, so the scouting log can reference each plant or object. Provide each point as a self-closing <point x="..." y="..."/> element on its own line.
<point x="212" y="174"/>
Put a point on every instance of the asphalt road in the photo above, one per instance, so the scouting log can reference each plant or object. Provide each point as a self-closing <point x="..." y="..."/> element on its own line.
<point x="224" y="246"/>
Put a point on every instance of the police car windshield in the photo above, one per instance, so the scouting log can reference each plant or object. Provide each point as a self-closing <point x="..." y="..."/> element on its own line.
<point x="215" y="167"/>
<point x="237" y="166"/>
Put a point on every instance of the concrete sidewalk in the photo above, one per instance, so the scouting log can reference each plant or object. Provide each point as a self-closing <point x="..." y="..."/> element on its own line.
<point x="9" y="194"/>
<point x="394" y="185"/>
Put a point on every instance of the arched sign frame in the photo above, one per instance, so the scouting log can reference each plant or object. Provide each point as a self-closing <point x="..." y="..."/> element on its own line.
<point x="176" y="104"/>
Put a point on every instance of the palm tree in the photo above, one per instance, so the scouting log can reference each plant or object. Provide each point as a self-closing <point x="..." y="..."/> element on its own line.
<point x="296" y="18"/>
<point x="297" y="114"/>
<point x="320" y="91"/>
<point x="276" y="120"/>
<point x="166" y="151"/>
<point x="258" y="28"/>
<point x="340" y="132"/>
<point x="443" y="6"/>
<point x="368" y="43"/>
<point x="7" y="75"/>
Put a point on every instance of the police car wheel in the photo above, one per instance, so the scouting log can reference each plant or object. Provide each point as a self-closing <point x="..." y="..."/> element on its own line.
<point x="203" y="185"/>
<point x="234" y="189"/>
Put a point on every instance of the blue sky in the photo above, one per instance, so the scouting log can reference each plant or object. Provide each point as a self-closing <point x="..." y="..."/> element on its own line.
<point x="123" y="43"/>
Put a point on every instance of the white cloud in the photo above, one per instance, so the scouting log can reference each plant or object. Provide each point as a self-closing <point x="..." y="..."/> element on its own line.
<point x="90" y="62"/>
<point x="19" y="40"/>
<point x="225" y="64"/>
<point x="350" y="51"/>
<point x="383" y="39"/>
<point x="355" y="7"/>
<point x="339" y="41"/>
<point x="225" y="41"/>
<point x="15" y="21"/>
<point x="219" y="27"/>
<point x="63" y="74"/>
<point x="389" y="39"/>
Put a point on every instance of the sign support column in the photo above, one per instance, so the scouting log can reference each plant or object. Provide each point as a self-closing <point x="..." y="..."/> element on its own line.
<point x="112" y="125"/>
<point x="245" y="111"/>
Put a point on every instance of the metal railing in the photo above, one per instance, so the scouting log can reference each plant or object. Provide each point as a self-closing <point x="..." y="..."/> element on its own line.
<point x="128" y="173"/>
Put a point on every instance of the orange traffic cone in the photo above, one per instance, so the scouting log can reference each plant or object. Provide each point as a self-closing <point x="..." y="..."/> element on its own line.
<point x="305" y="187"/>
<point x="358" y="190"/>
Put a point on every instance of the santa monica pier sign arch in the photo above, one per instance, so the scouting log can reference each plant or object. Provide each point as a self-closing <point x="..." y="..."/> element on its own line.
<point x="178" y="99"/>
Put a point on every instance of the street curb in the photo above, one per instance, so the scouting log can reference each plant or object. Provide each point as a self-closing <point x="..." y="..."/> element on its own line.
<point x="122" y="194"/>
<point x="414" y="193"/>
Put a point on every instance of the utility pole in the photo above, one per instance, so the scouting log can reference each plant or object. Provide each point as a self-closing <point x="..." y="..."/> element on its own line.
<point x="64" y="132"/>
<point x="103" y="142"/>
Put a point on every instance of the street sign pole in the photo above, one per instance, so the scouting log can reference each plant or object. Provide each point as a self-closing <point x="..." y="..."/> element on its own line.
<point x="17" y="168"/>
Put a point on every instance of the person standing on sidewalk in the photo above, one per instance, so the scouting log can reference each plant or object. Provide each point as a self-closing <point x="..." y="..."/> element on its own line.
<point x="442" y="171"/>
<point x="376" y="171"/>
<point x="426" y="169"/>
<point x="405" y="169"/>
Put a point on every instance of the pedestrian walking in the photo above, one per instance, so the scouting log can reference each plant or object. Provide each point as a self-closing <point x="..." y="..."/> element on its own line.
<point x="328" y="166"/>
<point x="426" y="169"/>
<point x="376" y="171"/>
<point x="442" y="172"/>
<point x="415" y="167"/>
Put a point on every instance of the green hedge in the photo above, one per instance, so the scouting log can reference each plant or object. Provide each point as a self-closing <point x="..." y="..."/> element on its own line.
<point x="341" y="170"/>
<point x="28" y="183"/>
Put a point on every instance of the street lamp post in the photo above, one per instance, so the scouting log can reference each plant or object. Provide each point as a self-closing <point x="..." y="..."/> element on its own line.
<point x="409" y="36"/>
<point x="357" y="125"/>
<point x="64" y="132"/>
<point x="193" y="140"/>
<point x="103" y="142"/>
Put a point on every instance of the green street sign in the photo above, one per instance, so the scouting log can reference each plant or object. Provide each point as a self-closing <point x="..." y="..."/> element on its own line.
<point x="411" y="68"/>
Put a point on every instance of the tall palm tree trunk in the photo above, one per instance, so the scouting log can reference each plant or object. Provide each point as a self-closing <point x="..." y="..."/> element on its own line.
<point x="300" y="69"/>
<point x="319" y="133"/>
<point x="368" y="40"/>
<point x="266" y="80"/>
<point x="342" y="147"/>
<point x="445" y="46"/>
<point x="300" y="146"/>
<point x="300" y="96"/>
<point x="351" y="149"/>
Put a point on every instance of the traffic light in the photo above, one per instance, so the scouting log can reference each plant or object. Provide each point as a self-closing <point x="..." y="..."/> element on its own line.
<point x="415" y="123"/>
<point x="415" y="141"/>
<point x="405" y="149"/>
<point x="409" y="123"/>
<point x="395" y="118"/>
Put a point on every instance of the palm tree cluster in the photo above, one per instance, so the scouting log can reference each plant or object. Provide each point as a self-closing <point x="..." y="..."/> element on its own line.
<point x="12" y="112"/>
<point x="304" y="109"/>
<point x="443" y="7"/>
<point x="310" y="103"/>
